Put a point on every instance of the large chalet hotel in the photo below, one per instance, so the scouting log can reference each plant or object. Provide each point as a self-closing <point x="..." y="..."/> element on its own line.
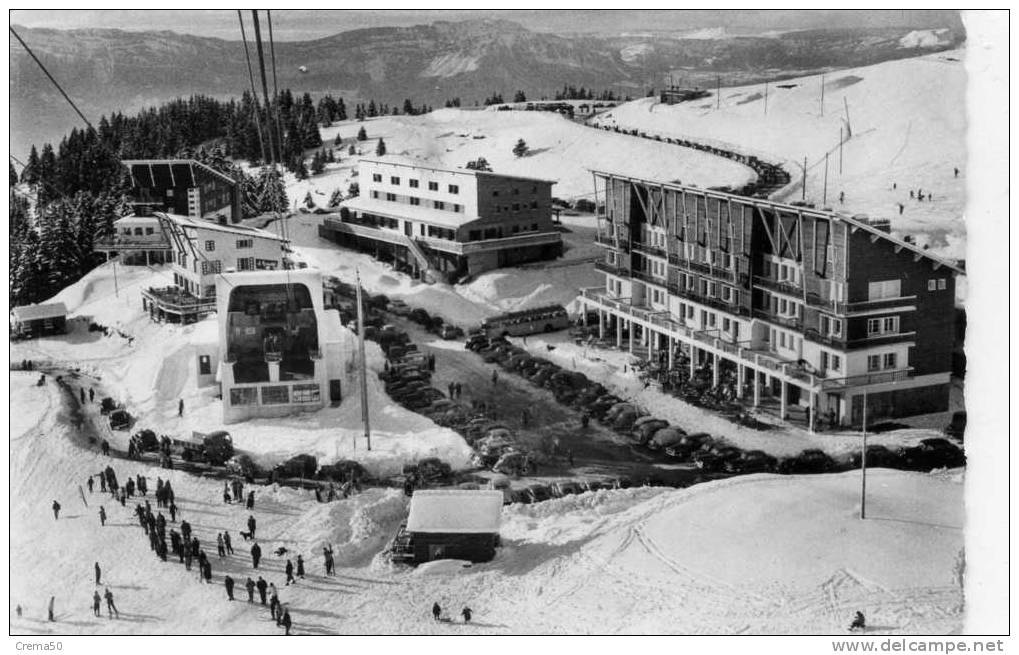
<point x="811" y="308"/>
<point x="445" y="224"/>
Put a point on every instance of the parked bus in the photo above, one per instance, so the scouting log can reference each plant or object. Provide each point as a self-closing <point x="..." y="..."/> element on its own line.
<point x="528" y="321"/>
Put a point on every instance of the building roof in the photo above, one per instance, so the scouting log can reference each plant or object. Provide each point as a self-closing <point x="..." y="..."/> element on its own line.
<point x="398" y="160"/>
<point x="420" y="213"/>
<point x="455" y="511"/>
<point x="240" y="230"/>
<point x="36" y="312"/>
<point x="183" y="167"/>
<point x="854" y="222"/>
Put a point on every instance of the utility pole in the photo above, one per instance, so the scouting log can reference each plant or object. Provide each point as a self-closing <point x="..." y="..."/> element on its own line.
<point x="718" y="91"/>
<point x="822" y="94"/>
<point x="803" y="195"/>
<point x="824" y="194"/>
<point x="364" y="365"/>
<point x="840" y="149"/>
<point x="863" y="462"/>
<point x="849" y="125"/>
<point x="116" y="286"/>
<point x="765" y="98"/>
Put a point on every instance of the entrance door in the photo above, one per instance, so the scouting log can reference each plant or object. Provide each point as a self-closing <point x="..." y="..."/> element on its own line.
<point x="335" y="391"/>
<point x="408" y="228"/>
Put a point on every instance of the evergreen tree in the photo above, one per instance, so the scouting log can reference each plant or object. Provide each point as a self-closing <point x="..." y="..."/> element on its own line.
<point x="338" y="141"/>
<point x="309" y="201"/>
<point x="330" y="156"/>
<point x="30" y="174"/>
<point x="352" y="150"/>
<point x="372" y="109"/>
<point x="341" y="110"/>
<point x="362" y="135"/>
<point x="318" y="162"/>
<point x="520" y="149"/>
<point x="408" y="107"/>
<point x="301" y="171"/>
<point x="380" y="149"/>
<point x="354" y="190"/>
<point x="519" y="97"/>
<point x="13" y="177"/>
<point x="336" y="198"/>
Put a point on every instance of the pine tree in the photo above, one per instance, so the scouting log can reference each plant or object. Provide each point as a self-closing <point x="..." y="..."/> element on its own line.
<point x="372" y="109"/>
<point x="341" y="110"/>
<point x="408" y="107"/>
<point x="309" y="201"/>
<point x="380" y="149"/>
<point x="520" y="149"/>
<point x="330" y="156"/>
<point x="338" y="141"/>
<point x="351" y="150"/>
<point x="318" y="162"/>
<point x="520" y="97"/>
<point x="336" y="198"/>
<point x="301" y="171"/>
<point x="30" y="174"/>
<point x="362" y="135"/>
<point x="13" y="177"/>
<point x="354" y="190"/>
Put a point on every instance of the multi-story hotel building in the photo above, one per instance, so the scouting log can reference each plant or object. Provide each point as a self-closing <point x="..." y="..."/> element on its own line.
<point x="820" y="309"/>
<point x="444" y="224"/>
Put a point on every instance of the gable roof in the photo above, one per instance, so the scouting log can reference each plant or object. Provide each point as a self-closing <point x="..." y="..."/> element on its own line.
<point x="455" y="511"/>
<point x="36" y="312"/>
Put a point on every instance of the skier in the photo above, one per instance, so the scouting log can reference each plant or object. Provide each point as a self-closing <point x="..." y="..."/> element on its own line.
<point x="228" y="582"/>
<point x="466" y="613"/>
<point x="180" y="408"/>
<point x="81" y="391"/>
<point x="251" y="500"/>
<point x="300" y="567"/>
<point x="957" y="172"/>
<point x="287" y="621"/>
<point x="56" y="510"/>
<point x="102" y="482"/>
<point x="207" y="570"/>
<point x="436" y="611"/>
<point x="96" y="602"/>
<point x="226" y="494"/>
<point x="842" y="197"/>
<point x="256" y="555"/>
<point x="52" y="598"/>
<point x="859" y="622"/>
<point x="185" y="528"/>
<point x="911" y="194"/>
<point x="250" y="586"/>
<point x="91" y="484"/>
<point x="261" y="585"/>
<point x="251" y="521"/>
<point x="226" y="543"/>
<point x="274" y="603"/>
<point x="290" y="572"/>
<point x="102" y="516"/>
<point x="99" y="574"/>
<point x="327" y="554"/>
<point x="111" y="607"/>
<point x="901" y="208"/>
<point x="91" y="394"/>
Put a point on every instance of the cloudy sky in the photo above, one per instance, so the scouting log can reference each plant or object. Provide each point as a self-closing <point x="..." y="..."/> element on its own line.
<point x="310" y="24"/>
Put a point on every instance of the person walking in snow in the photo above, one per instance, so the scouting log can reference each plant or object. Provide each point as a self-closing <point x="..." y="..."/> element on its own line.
<point x="956" y="172"/>
<point x="102" y="482"/>
<point x="96" y="602"/>
<point x="274" y="603"/>
<point x="901" y="208"/>
<point x="91" y="394"/>
<point x="91" y="484"/>
<point x="173" y="512"/>
<point x="251" y="522"/>
<point x="300" y="567"/>
<point x="249" y="585"/>
<point x="226" y="494"/>
<point x="142" y="485"/>
<point x="50" y="613"/>
<point x="185" y="529"/>
<point x="81" y="395"/>
<point x="129" y="487"/>
<point x="187" y="558"/>
<point x="256" y="555"/>
<point x="327" y="554"/>
<point x="228" y="582"/>
<point x="286" y="622"/>
<point x="318" y="495"/>
<point x="466" y="613"/>
<point x="180" y="408"/>
<point x="207" y="571"/>
<point x="111" y="607"/>
<point x="251" y="503"/>
<point x="290" y="572"/>
<point x="436" y="611"/>
<point x="220" y="546"/>
<point x="102" y="516"/>
<point x="261" y="585"/>
<point x="226" y="543"/>
<point x="99" y="574"/>
<point x="56" y="510"/>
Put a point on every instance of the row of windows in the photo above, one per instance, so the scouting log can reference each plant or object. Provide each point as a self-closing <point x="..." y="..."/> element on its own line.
<point x="276" y="395"/>
<point x="414" y="184"/>
<point x="497" y="232"/>
<point x="879" y="326"/>
<point x="830" y="326"/>
<point x="415" y="201"/>
<point x="830" y="361"/>
<point x="780" y="339"/>
<point x="882" y="362"/>
<point x="515" y="207"/>
<point x="938" y="284"/>
<point x="515" y="191"/>
<point x="138" y="231"/>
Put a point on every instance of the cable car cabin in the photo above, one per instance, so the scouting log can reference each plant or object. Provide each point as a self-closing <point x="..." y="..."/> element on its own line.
<point x="450" y="524"/>
<point x="528" y="321"/>
<point x="38" y="320"/>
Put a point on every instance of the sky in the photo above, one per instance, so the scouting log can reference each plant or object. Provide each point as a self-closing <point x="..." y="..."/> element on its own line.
<point x="294" y="25"/>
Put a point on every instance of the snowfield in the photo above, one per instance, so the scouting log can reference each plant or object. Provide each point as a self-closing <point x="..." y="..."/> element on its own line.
<point x="908" y="122"/>
<point x="756" y="554"/>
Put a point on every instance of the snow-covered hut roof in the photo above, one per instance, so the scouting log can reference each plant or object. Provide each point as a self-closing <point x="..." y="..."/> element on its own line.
<point x="37" y="312"/>
<point x="455" y="511"/>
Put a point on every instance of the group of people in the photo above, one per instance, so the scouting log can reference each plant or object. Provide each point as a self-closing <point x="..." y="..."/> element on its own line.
<point x="466" y="613"/>
<point x="346" y="489"/>
<point x="233" y="491"/>
<point x="455" y="390"/>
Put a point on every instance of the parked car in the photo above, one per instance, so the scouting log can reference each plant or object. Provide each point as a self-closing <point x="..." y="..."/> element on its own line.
<point x="717" y="458"/>
<point x="245" y="467"/>
<point x="933" y="453"/>
<point x="476" y="342"/>
<point x="298" y="466"/>
<point x="688" y="445"/>
<point x="811" y="460"/>
<point x="120" y="419"/>
<point x="665" y="437"/>
<point x="448" y="331"/>
<point x="878" y="456"/>
<point x="145" y="441"/>
<point x="398" y="307"/>
<point x="752" y="461"/>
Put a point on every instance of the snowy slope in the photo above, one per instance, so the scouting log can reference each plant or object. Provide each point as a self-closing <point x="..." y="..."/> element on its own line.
<point x="756" y="554"/>
<point x="908" y="123"/>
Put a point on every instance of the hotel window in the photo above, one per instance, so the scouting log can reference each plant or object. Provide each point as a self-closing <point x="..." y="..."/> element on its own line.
<point x="433" y="186"/>
<point x="209" y="245"/>
<point x="534" y="227"/>
<point x="376" y="177"/>
<point x="932" y="284"/>
<point x="247" y="396"/>
<point x="375" y="195"/>
<point x="149" y="230"/>
<point x="458" y="208"/>
<point x="781" y="339"/>
<point x="453" y="188"/>
<point x="874" y="362"/>
<point x="712" y="318"/>
<point x="836" y="363"/>
<point x="689" y="311"/>
<point x="495" y="193"/>
<point x="306" y="393"/>
<point x="395" y="181"/>
<point x="438" y="204"/>
<point x="884" y="289"/>
<point x="727" y="294"/>
<point x="245" y="243"/>
<point x="836" y="327"/>
<point x="413" y="183"/>
<point x="415" y="200"/>
<point x="391" y="197"/>
<point x="127" y="231"/>
<point x="275" y="395"/>
<point x="726" y="324"/>
<point x="889" y="360"/>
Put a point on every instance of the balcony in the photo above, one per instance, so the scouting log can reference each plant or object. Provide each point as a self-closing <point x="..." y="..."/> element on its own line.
<point x="881" y="377"/>
<point x="811" y="334"/>
<point x="778" y="287"/>
<point x="880" y="303"/>
<point x="650" y="279"/>
<point x="793" y="323"/>
<point x="882" y="339"/>
<point x="648" y="249"/>
<point x="611" y="242"/>
<point x="606" y="267"/>
<point x="177" y="301"/>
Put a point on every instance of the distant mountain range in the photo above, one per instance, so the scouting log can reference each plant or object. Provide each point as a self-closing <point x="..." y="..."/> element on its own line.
<point x="114" y="70"/>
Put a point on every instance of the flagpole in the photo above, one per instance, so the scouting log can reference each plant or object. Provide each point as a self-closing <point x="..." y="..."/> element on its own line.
<point x="364" y="365"/>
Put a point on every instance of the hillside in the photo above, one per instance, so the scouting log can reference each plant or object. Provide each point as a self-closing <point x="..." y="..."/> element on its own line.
<point x="113" y="70"/>
<point x="908" y="123"/>
<point x="757" y="554"/>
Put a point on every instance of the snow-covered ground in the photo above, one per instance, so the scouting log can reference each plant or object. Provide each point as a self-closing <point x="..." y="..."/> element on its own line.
<point x="756" y="554"/>
<point x="908" y="122"/>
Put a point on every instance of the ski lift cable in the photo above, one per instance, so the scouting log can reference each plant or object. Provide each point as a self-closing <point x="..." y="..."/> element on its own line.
<point x="281" y="227"/>
<point x="55" y="83"/>
<point x="251" y="78"/>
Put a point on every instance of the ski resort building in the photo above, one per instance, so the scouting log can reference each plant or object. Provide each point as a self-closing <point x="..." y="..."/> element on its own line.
<point x="39" y="320"/>
<point x="137" y="240"/>
<point x="185" y="187"/>
<point x="450" y="524"/>
<point x="202" y="251"/>
<point x="445" y="224"/>
<point x="813" y="309"/>
<point x="280" y="347"/>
